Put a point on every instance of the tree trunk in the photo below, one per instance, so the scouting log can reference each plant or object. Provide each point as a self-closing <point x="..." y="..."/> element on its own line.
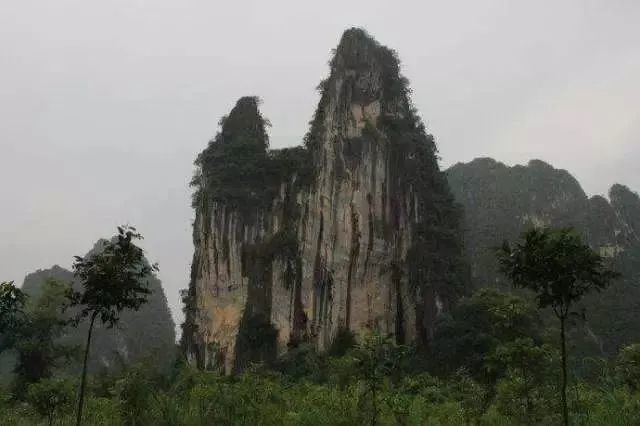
<point x="83" y="380"/>
<point x="565" y="411"/>
<point x="374" y="418"/>
<point x="527" y="400"/>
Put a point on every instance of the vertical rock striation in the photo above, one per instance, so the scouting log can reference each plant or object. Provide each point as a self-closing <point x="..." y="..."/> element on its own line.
<point x="355" y="231"/>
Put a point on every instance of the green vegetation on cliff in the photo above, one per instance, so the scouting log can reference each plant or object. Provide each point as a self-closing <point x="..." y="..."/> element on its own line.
<point x="238" y="173"/>
<point x="238" y="169"/>
<point x="500" y="202"/>
<point x="364" y="72"/>
<point x="266" y="196"/>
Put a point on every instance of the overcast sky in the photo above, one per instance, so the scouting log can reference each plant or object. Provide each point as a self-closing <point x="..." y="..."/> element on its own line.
<point x="105" y="104"/>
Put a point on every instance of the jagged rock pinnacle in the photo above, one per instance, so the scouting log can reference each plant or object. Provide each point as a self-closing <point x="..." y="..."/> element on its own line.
<point x="373" y="70"/>
<point x="340" y="252"/>
<point x="244" y="124"/>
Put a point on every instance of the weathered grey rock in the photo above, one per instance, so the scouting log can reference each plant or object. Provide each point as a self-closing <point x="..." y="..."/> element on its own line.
<point x="330" y="250"/>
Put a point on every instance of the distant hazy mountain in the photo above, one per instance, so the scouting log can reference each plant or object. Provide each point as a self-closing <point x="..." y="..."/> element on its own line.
<point x="500" y="202"/>
<point x="147" y="334"/>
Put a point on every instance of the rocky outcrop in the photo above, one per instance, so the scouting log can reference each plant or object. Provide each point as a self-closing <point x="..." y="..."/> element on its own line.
<point x="355" y="231"/>
<point x="500" y="202"/>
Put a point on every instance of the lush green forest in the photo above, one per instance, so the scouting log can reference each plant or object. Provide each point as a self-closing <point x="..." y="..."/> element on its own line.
<point x="494" y="359"/>
<point x="495" y="365"/>
<point x="373" y="383"/>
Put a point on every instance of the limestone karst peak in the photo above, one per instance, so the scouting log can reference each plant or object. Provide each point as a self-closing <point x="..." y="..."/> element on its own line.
<point x="357" y="49"/>
<point x="244" y="124"/>
<point x="627" y="206"/>
<point x="622" y="191"/>
<point x="500" y="202"/>
<point x="234" y="165"/>
<point x="282" y="260"/>
<point x="364" y="71"/>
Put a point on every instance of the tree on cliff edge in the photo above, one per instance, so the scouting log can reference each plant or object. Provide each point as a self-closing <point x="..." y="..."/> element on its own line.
<point x="113" y="279"/>
<point x="560" y="269"/>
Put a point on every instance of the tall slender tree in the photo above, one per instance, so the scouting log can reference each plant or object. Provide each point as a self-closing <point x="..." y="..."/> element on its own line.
<point x="560" y="269"/>
<point x="113" y="278"/>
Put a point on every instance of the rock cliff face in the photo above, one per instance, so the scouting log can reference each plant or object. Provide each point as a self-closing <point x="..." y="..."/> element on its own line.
<point x="500" y="202"/>
<point x="355" y="231"/>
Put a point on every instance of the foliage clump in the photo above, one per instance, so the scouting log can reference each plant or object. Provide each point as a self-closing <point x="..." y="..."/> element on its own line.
<point x="376" y="382"/>
<point x="112" y="280"/>
<point x="256" y="341"/>
<point x="51" y="398"/>
<point x="628" y="366"/>
<point x="12" y="301"/>
<point x="477" y="326"/>
<point x="560" y="270"/>
<point x="237" y="168"/>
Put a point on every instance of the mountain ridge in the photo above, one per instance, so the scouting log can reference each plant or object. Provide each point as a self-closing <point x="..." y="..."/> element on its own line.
<point x="501" y="202"/>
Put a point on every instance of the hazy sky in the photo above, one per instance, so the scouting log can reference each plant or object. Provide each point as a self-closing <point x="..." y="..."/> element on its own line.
<point x="105" y="104"/>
